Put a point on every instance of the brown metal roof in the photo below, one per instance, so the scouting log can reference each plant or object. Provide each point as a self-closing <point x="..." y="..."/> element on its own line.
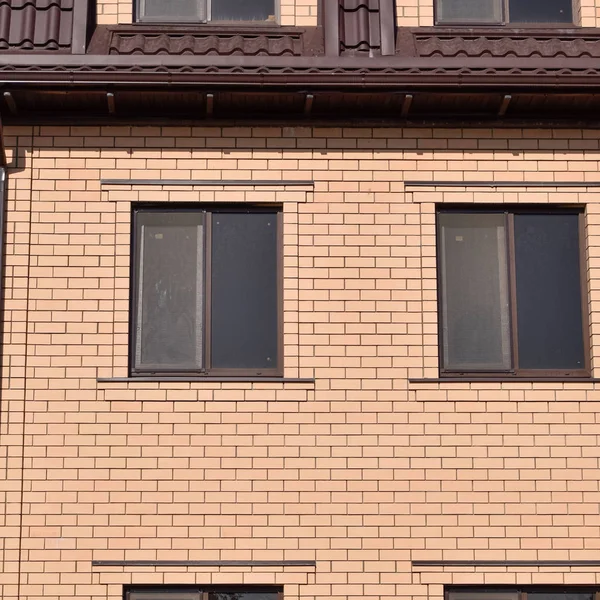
<point x="355" y="65"/>
<point x="56" y="26"/>
<point x="359" y="27"/>
<point x="499" y="42"/>
<point x="206" y="40"/>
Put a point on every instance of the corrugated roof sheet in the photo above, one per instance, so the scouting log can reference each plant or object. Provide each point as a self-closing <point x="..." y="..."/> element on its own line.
<point x="197" y="44"/>
<point x="34" y="25"/>
<point x="359" y="27"/>
<point x="501" y="43"/>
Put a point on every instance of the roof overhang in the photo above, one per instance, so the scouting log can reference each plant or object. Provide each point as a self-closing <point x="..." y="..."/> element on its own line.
<point x="479" y="89"/>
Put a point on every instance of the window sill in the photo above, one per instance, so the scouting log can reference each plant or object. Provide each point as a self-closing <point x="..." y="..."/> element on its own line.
<point x="208" y="379"/>
<point x="504" y="380"/>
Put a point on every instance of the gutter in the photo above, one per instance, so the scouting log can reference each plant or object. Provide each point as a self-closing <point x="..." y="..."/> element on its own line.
<point x="341" y="73"/>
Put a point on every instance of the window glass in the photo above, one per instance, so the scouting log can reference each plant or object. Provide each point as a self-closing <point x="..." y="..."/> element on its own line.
<point x="173" y="10"/>
<point x="169" y="316"/>
<point x="242" y="10"/>
<point x="165" y="592"/>
<point x="540" y="11"/>
<point x="475" y="291"/>
<point x="469" y="11"/>
<point x="549" y="309"/>
<point x="242" y="594"/>
<point x="557" y="595"/>
<point x="244" y="290"/>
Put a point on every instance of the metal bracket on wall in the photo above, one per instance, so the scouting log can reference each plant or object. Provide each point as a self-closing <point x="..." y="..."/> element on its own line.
<point x="10" y="102"/>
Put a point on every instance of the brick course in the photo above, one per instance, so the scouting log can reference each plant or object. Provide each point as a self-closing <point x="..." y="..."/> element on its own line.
<point x="362" y="471"/>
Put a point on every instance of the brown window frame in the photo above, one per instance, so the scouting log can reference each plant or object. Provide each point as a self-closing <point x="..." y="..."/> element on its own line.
<point x="515" y="372"/>
<point x="204" y="16"/>
<point x="504" y="21"/>
<point x="206" y="370"/>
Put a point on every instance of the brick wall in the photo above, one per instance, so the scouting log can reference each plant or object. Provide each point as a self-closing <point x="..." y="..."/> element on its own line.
<point x="420" y="13"/>
<point x="410" y="13"/>
<point x="362" y="471"/>
<point x="292" y="12"/>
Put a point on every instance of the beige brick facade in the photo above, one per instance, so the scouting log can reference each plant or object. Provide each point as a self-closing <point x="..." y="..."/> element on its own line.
<point x="290" y="12"/>
<point x="410" y="13"/>
<point x="363" y="470"/>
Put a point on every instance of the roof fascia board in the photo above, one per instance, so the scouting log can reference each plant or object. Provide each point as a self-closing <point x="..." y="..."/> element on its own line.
<point x="301" y="62"/>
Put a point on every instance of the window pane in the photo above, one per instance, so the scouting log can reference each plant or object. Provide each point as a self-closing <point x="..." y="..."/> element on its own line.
<point x="469" y="11"/>
<point x="173" y="10"/>
<point x="554" y="595"/>
<point x="243" y="594"/>
<point x="166" y="594"/>
<point x="244" y="304"/>
<point x="242" y="10"/>
<point x="483" y="594"/>
<point x="474" y="284"/>
<point x="169" y="290"/>
<point x="549" y="313"/>
<point x="540" y="11"/>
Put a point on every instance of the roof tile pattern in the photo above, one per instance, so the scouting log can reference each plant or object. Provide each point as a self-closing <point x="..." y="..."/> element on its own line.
<point x="34" y="25"/>
<point x="508" y="43"/>
<point x="201" y="45"/>
<point x="359" y="27"/>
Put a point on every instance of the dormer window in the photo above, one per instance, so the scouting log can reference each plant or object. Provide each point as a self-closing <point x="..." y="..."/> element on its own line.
<point x="201" y="11"/>
<point x="504" y="12"/>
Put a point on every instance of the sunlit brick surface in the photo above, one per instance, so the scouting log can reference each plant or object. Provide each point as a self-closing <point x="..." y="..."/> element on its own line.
<point x="363" y="471"/>
<point x="410" y="13"/>
<point x="290" y="12"/>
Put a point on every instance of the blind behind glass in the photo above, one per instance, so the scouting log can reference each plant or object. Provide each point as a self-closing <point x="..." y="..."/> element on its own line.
<point x="474" y="287"/>
<point x="169" y="291"/>
<point x="469" y="11"/>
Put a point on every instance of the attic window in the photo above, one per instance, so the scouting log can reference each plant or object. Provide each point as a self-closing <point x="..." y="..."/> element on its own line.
<point x="504" y="12"/>
<point x="201" y="11"/>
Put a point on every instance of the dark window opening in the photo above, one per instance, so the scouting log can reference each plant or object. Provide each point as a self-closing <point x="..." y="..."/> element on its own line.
<point x="511" y="294"/>
<point x="206" y="291"/>
<point x="194" y="592"/>
<point x="201" y="11"/>
<point x="520" y="593"/>
<point x="502" y="12"/>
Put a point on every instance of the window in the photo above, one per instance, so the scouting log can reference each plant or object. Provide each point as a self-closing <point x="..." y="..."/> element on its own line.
<point x="501" y="12"/>
<point x="511" y="294"/>
<point x="194" y="11"/>
<point x="521" y="593"/>
<point x="202" y="593"/>
<point x="206" y="291"/>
